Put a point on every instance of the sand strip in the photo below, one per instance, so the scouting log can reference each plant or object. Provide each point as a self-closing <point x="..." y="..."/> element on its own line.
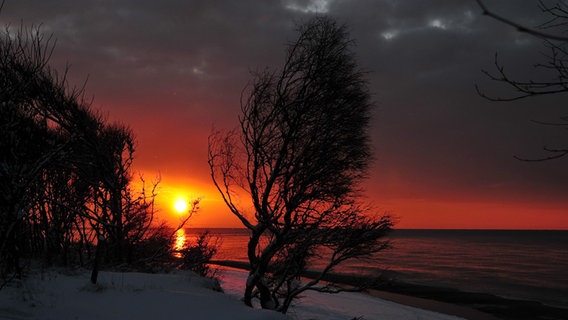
<point x="432" y="305"/>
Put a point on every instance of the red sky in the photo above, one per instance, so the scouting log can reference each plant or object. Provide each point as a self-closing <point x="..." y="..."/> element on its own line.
<point x="444" y="156"/>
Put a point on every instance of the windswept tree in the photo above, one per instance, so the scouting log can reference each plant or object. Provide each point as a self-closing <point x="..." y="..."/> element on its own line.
<point x="291" y="172"/>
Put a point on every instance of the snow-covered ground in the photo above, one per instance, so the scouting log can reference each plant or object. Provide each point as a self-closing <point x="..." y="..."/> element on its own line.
<point x="180" y="295"/>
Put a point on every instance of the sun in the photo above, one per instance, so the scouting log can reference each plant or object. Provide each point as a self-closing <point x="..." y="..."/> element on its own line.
<point x="180" y="205"/>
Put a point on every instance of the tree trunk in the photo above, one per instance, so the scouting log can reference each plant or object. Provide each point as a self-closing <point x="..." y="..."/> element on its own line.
<point x="254" y="264"/>
<point x="248" y="290"/>
<point x="116" y="212"/>
<point x="266" y="301"/>
<point x="98" y="258"/>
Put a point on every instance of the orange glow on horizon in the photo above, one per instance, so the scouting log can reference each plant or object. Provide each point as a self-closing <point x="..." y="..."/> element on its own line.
<point x="421" y="214"/>
<point x="175" y="196"/>
<point x="410" y="213"/>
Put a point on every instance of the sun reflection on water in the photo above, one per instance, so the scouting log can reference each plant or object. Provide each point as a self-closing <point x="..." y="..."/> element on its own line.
<point x="180" y="242"/>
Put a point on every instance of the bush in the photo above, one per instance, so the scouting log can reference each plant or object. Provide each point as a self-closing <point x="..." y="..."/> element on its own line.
<point x="196" y="257"/>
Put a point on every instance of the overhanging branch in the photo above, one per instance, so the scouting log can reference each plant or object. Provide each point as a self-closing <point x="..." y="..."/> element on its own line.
<point x="519" y="27"/>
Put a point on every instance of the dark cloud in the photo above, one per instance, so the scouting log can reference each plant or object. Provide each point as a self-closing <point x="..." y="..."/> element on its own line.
<point x="173" y="69"/>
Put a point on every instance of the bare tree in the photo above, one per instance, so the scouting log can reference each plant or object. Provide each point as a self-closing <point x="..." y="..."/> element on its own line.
<point x="31" y="144"/>
<point x="552" y="32"/>
<point x="65" y="174"/>
<point x="299" y="156"/>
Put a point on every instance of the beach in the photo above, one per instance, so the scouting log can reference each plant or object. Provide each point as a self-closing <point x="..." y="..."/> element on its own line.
<point x="450" y="301"/>
<point x="68" y="294"/>
<point x="469" y="305"/>
<point x="517" y="265"/>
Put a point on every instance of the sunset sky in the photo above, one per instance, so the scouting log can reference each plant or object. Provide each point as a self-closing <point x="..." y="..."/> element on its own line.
<point x="173" y="70"/>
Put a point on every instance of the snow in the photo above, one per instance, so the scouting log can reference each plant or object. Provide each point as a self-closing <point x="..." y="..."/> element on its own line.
<point x="54" y="295"/>
<point x="342" y="306"/>
<point x="61" y="294"/>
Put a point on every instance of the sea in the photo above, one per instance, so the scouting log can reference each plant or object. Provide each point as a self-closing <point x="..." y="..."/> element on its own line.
<point x="518" y="264"/>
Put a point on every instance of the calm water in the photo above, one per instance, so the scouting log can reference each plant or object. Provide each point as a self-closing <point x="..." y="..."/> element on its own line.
<point x="518" y="264"/>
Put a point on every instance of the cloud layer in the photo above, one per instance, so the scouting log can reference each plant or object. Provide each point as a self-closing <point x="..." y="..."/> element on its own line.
<point x="174" y="69"/>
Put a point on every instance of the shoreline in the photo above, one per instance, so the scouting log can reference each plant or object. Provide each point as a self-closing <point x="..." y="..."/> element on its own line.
<point x="468" y="305"/>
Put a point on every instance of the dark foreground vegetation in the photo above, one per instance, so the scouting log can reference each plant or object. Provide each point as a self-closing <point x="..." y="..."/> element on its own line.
<point x="66" y="178"/>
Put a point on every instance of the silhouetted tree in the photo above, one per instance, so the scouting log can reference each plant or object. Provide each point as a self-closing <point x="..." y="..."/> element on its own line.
<point x="31" y="142"/>
<point x="65" y="174"/>
<point x="196" y="256"/>
<point x="556" y="63"/>
<point x="299" y="156"/>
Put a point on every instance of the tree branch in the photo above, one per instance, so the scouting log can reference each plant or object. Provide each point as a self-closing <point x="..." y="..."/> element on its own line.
<point x="518" y="26"/>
